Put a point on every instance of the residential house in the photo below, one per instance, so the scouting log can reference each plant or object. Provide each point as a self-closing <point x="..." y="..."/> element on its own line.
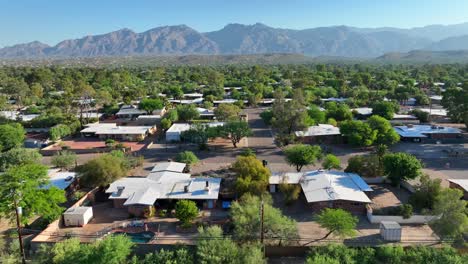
<point x="322" y="133"/>
<point x="113" y="131"/>
<point x="138" y="194"/>
<point x="328" y="189"/>
<point x="419" y="133"/>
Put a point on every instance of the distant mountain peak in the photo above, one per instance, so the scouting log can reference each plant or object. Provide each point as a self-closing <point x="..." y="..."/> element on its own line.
<point x="258" y="38"/>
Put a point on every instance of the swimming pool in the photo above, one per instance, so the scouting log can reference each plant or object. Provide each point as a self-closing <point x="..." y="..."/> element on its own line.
<point x="141" y="237"/>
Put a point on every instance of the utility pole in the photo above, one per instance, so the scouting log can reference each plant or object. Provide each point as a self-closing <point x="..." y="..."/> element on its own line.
<point x="261" y="222"/>
<point x="18" y="228"/>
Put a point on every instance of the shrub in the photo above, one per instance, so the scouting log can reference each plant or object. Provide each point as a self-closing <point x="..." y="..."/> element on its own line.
<point x="187" y="157"/>
<point x="77" y="195"/>
<point x="186" y="211"/>
<point x="248" y="152"/>
<point x="110" y="143"/>
<point x="59" y="131"/>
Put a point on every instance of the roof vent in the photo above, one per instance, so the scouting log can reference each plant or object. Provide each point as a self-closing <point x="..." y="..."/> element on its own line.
<point x="120" y="188"/>
<point x="186" y="189"/>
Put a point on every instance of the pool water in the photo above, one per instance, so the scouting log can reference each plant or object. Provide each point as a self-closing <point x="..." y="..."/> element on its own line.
<point x="141" y="237"/>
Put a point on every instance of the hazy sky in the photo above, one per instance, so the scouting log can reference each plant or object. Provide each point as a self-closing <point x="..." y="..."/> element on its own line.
<point x="51" y="21"/>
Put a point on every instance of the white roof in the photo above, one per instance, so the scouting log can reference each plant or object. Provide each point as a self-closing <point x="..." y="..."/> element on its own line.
<point x="130" y="110"/>
<point x="320" y="130"/>
<point x="436" y="97"/>
<point x="363" y="110"/>
<point x="435" y="112"/>
<point x="333" y="99"/>
<point x="422" y="130"/>
<point x="398" y="116"/>
<point x="205" y="112"/>
<point x="79" y="210"/>
<point x="439" y="84"/>
<point x="462" y="182"/>
<point x="319" y="186"/>
<point x="225" y="101"/>
<point x="196" y="95"/>
<point x="146" y="196"/>
<point x="288" y="177"/>
<point x="179" y="127"/>
<point x="113" y="129"/>
<point x="196" y="189"/>
<point x="194" y="101"/>
<point x="167" y="176"/>
<point x="149" y="117"/>
<point x="169" y="166"/>
<point x="163" y="184"/>
<point x="60" y="179"/>
<point x="90" y="115"/>
<point x="145" y="191"/>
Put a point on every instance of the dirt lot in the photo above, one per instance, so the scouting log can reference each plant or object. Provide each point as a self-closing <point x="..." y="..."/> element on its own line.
<point x="385" y="195"/>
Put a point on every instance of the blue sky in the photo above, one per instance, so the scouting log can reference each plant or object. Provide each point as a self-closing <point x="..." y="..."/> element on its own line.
<point x="51" y="21"/>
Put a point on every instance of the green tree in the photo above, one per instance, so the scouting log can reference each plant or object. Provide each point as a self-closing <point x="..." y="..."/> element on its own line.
<point x="337" y="221"/>
<point x="64" y="159"/>
<point x="186" y="211"/>
<point x="11" y="136"/>
<point x="59" y="131"/>
<point x="455" y="100"/>
<point x="339" y="112"/>
<point x="385" y="109"/>
<point x="226" y="112"/>
<point x="365" y="165"/>
<point x="187" y="157"/>
<point x="453" y="221"/>
<point x="113" y="250"/>
<point x="401" y="166"/>
<point x="252" y="176"/>
<point x="246" y="219"/>
<point x="212" y="248"/>
<point x="358" y="133"/>
<point x="235" y="131"/>
<point x="150" y="105"/>
<point x="291" y="192"/>
<point x="302" y="155"/>
<point x="18" y="157"/>
<point x="21" y="185"/>
<point x="178" y="256"/>
<point x="426" y="193"/>
<point x="199" y="134"/>
<point x="331" y="162"/>
<point x="422" y="116"/>
<point x="187" y="112"/>
<point x="267" y="117"/>
<point x="386" y="135"/>
<point x="102" y="170"/>
<point x="288" y="116"/>
<point x="165" y="124"/>
<point x="316" y="115"/>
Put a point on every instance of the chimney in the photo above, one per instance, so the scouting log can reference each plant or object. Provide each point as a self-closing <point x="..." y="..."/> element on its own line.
<point x="207" y="184"/>
<point x="186" y="189"/>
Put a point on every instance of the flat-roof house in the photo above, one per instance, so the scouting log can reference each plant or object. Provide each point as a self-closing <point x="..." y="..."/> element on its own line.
<point x="63" y="180"/>
<point x="131" y="112"/>
<point x="174" y="132"/>
<point x="404" y="119"/>
<point x="169" y="166"/>
<point x="418" y="133"/>
<point x="461" y="184"/>
<point x="333" y="99"/>
<point x="328" y="189"/>
<point x="319" y="134"/>
<point x="137" y="194"/>
<point x="113" y="131"/>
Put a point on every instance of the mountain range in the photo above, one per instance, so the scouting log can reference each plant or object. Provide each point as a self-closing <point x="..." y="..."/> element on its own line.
<point x="239" y="39"/>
